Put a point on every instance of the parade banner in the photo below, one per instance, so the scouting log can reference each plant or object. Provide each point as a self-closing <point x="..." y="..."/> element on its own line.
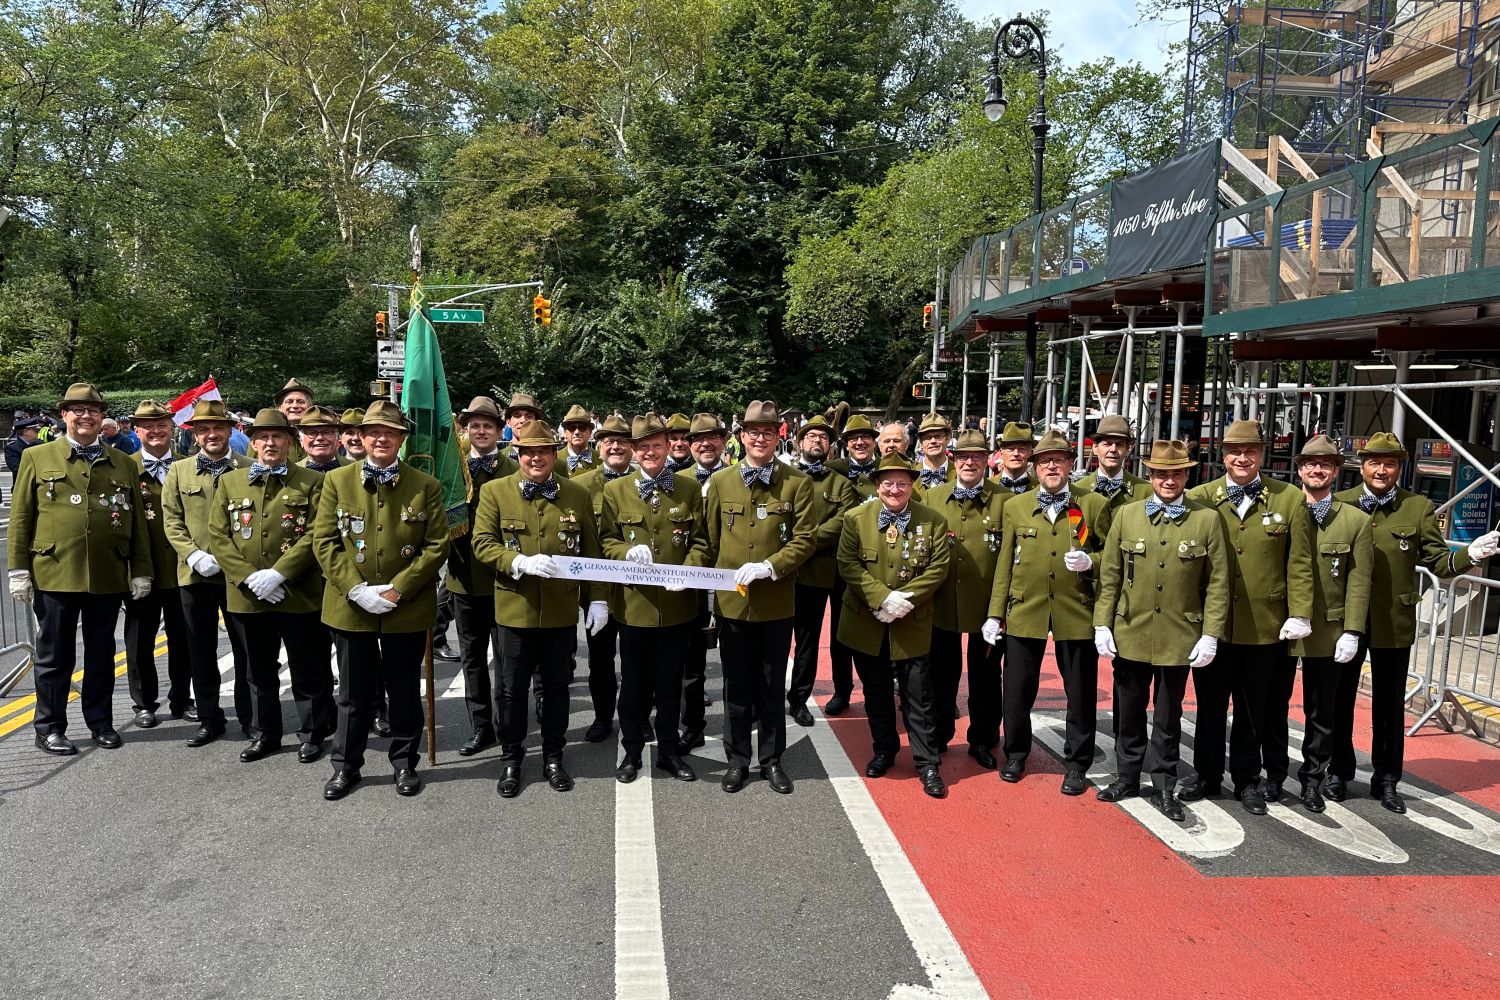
<point x="635" y="574"/>
<point x="1159" y="219"/>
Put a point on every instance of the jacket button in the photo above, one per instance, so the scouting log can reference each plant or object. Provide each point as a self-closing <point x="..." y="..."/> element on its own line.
<point x="1054" y="553"/>
<point x="1158" y="586"/>
<point x="1052" y="576"/>
<point x="1162" y="565"/>
<point x="1243" y="526"/>
<point x="1239" y="551"/>
<point x="1164" y="541"/>
<point x="379" y="527"/>
<point x="1158" y="610"/>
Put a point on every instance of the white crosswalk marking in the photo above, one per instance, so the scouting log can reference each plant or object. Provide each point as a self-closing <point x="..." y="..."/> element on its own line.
<point x="640" y="953"/>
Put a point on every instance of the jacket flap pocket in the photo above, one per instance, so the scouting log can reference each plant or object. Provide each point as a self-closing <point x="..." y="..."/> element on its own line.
<point x="731" y="507"/>
<point x="627" y="518"/>
<point x="1276" y="529"/>
<point x="1017" y="591"/>
<point x="1403" y="532"/>
<point x="1410" y="600"/>
<point x="1136" y="545"/>
<point x="190" y="489"/>
<point x="515" y="525"/>
<point x="1192" y="550"/>
<point x="294" y="498"/>
<point x="868" y="555"/>
<point x="1335" y="614"/>
<point x="1333" y="548"/>
<point x="51" y="475"/>
<point x="1195" y="617"/>
<point x="41" y="548"/>
<point x="1025" y="532"/>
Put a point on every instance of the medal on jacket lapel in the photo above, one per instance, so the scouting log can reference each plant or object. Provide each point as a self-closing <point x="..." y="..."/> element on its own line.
<point x="359" y="550"/>
<point x="891" y="534"/>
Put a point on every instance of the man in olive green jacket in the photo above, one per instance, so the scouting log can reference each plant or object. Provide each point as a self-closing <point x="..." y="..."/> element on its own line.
<point x="1014" y="447"/>
<point x="1113" y="443"/>
<point x="761" y="525"/>
<point x="187" y="497"/>
<point x="860" y="457"/>
<point x="832" y="497"/>
<point x="320" y="438"/>
<point x="160" y="610"/>
<point x="1404" y="529"/>
<point x="654" y="517"/>
<point x="578" y="457"/>
<point x="1045" y="583"/>
<point x="523" y="521"/>
<point x="933" y="435"/>
<point x="380" y="536"/>
<point x="679" y="443"/>
<point x="1270" y="554"/>
<point x="78" y="546"/>
<point x="973" y="507"/>
<point x="894" y="555"/>
<point x="274" y="588"/>
<point x="349" y="421"/>
<point x="1165" y="588"/>
<point x="1343" y="560"/>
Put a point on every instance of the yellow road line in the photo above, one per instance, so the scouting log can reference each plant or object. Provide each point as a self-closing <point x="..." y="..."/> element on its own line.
<point x="27" y="701"/>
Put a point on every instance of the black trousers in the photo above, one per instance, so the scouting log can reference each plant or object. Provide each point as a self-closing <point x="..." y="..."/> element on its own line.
<point x="1133" y="680"/>
<point x="1321" y="680"/>
<point x="306" y="640"/>
<point x="695" y="670"/>
<point x="883" y="680"/>
<point x="160" y="609"/>
<point x="201" y="604"/>
<point x="1078" y="664"/>
<point x="807" y="633"/>
<point x="651" y="666"/>
<point x="604" y="688"/>
<point x="1387" y="715"/>
<point x="372" y="664"/>
<point x="446" y="612"/>
<point x="524" y="653"/>
<point x="754" y="656"/>
<point x="58" y="614"/>
<point x="1259" y="681"/>
<point x="474" y="615"/>
<point x="840" y="656"/>
<point x="946" y="664"/>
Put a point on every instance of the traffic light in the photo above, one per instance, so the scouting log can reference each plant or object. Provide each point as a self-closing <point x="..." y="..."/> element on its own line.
<point x="541" y="310"/>
<point x="381" y="330"/>
<point x="928" y="312"/>
<point x="921" y="390"/>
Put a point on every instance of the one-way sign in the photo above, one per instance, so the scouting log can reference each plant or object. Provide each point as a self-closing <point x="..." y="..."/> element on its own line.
<point x="935" y="376"/>
<point x="390" y="357"/>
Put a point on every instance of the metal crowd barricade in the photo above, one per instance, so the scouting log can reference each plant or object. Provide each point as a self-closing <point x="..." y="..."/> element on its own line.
<point x="1468" y="656"/>
<point x="1432" y="614"/>
<point x="17" y="635"/>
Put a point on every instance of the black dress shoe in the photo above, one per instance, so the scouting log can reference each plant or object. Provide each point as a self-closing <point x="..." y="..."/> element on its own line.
<point x="676" y="767"/>
<point x="734" y="779"/>
<point x="107" y="738"/>
<point x="259" y="748"/>
<point x="800" y="715"/>
<point x="1013" y="769"/>
<point x="510" y="781"/>
<point x="984" y="756"/>
<point x="628" y="771"/>
<point x="56" y="743"/>
<point x="1389" y="798"/>
<point x="1312" y="799"/>
<point x="1074" y="782"/>
<point x="479" y="741"/>
<point x="879" y="764"/>
<point x="310" y="751"/>
<point x="1168" y="805"/>
<point x="205" y="734"/>
<point x="777" y="779"/>
<point x="1200" y="789"/>
<point x="932" y="782"/>
<point x="1252" y="800"/>
<point x="557" y="776"/>
<point x="598" y="730"/>
<point x="381" y="726"/>
<point x="691" y="740"/>
<point x="1270" y="791"/>
<point x="340" y="784"/>
<point x="1335" y="788"/>
<point x="442" y="652"/>
<point x="188" y="712"/>
<point x="407" y="782"/>
<point x="837" y="705"/>
<point x="1117" y="790"/>
<point x="648" y="732"/>
<point x="145" y="718"/>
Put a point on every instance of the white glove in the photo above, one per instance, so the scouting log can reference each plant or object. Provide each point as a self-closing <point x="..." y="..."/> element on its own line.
<point x="1347" y="647"/>
<point x="897" y="604"/>
<point x="369" y="598"/>
<point x="881" y="616"/>
<point x="750" y="572"/>
<point x="1104" y="642"/>
<point x="992" y="630"/>
<point x="140" y="587"/>
<point x="1078" y="561"/>
<point x="1296" y="628"/>
<point x="1204" y="651"/>
<point x="596" y="618"/>
<point x="263" y="581"/>
<point x="539" y="565"/>
<point x="1484" y="546"/>
<point x="202" y="563"/>
<point x="276" y="596"/>
<point x="640" y="554"/>
<point x="20" y="585"/>
<point x="673" y="588"/>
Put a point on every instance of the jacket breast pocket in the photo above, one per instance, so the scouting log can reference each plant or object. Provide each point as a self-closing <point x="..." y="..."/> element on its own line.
<point x="512" y="530"/>
<point x="868" y="556"/>
<point x="1191" y="550"/>
<point x="1406" y="539"/>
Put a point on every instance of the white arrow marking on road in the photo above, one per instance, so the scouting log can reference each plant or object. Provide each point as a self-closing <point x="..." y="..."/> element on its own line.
<point x="640" y="953"/>
<point x="456" y="688"/>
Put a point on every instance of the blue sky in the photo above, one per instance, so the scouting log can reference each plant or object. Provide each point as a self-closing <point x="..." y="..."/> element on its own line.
<point x="1089" y="29"/>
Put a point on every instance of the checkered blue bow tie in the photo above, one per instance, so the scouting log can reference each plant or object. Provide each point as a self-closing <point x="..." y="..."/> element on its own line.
<point x="548" y="489"/>
<point x="1369" y="501"/>
<point x="483" y="463"/>
<point x="1237" y="493"/>
<point x="574" y="461"/>
<point x="315" y="466"/>
<point x="962" y="493"/>
<point x="1049" y="501"/>
<point x="815" y="469"/>
<point x="750" y="474"/>
<point x="934" y="477"/>
<point x="216" y="468"/>
<point x="1015" y="485"/>
<point x="887" y="518"/>
<point x="1172" y="510"/>
<point x="385" y="477"/>
<point x="610" y="475"/>
<point x="259" y="472"/>
<point x="1108" y="487"/>
<point x="856" y="470"/>
<point x="90" y="453"/>
<point x="157" y="467"/>
<point x="661" y="484"/>
<point x="677" y="465"/>
<point x="702" y="474"/>
<point x="1320" y="509"/>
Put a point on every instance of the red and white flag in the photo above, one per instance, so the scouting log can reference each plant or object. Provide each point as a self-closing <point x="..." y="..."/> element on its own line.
<point x="182" y="406"/>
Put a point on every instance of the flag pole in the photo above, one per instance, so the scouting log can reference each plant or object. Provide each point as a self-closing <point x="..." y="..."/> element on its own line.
<point x="431" y="704"/>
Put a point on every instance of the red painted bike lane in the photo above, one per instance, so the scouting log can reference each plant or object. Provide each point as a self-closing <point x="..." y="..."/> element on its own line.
<point x="1051" y="896"/>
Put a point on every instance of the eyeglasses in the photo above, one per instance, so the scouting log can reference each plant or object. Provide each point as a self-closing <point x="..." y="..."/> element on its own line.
<point x="758" y="433"/>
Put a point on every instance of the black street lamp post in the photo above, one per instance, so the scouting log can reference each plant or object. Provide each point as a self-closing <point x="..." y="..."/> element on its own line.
<point x="1021" y="38"/>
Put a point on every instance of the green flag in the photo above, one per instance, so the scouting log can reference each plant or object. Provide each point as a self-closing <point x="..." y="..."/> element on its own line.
<point x="432" y="443"/>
